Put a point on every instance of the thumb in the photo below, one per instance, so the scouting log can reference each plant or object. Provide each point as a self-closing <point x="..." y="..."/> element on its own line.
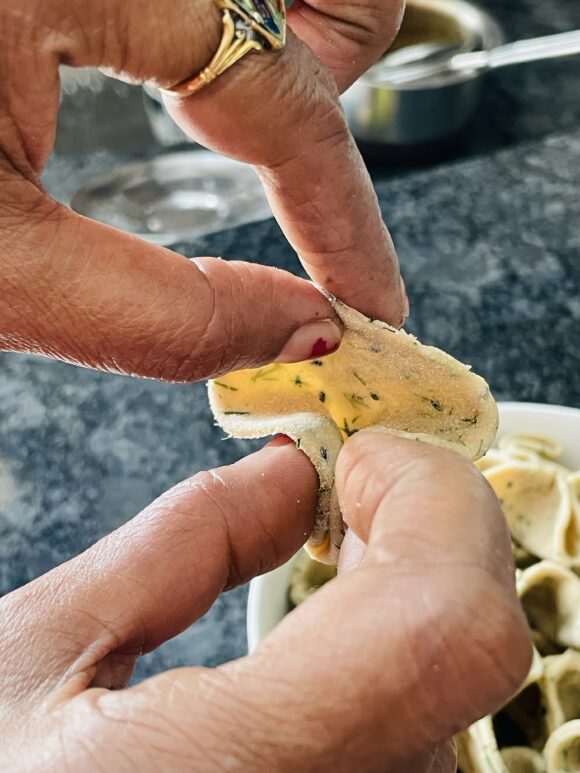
<point x="393" y="658"/>
<point x="382" y="666"/>
<point x="88" y="294"/>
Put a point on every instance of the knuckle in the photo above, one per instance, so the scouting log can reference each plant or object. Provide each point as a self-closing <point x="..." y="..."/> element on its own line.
<point x="232" y="335"/>
<point x="213" y="351"/>
<point x="175" y="345"/>
<point x="306" y="95"/>
<point x="359" y="32"/>
<point x="316" y="103"/>
<point x="86" y="716"/>
<point x="388" y="17"/>
<point x="160" y="362"/>
<point x="375" y="23"/>
<point x="22" y="202"/>
<point x="214" y="489"/>
<point x="212" y="486"/>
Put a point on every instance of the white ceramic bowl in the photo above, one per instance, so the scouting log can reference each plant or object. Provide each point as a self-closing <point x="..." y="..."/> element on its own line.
<point x="268" y="600"/>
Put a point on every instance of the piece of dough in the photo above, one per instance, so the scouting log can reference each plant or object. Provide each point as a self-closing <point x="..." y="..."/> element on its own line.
<point x="537" y="505"/>
<point x="550" y="596"/>
<point x="380" y="377"/>
<point x="522" y="759"/>
<point x="562" y="751"/>
<point x="548" y="698"/>
<point x="540" y="497"/>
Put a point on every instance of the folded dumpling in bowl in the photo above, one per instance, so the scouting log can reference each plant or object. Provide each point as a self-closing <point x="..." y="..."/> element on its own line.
<point x="539" y="497"/>
<point x="526" y="735"/>
<point x="550" y="596"/>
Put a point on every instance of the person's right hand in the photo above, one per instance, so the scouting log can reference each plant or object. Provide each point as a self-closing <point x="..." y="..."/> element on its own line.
<point x="374" y="673"/>
<point x="421" y="634"/>
<point x="82" y="292"/>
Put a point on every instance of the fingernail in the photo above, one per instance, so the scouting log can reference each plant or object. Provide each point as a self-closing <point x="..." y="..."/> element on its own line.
<point x="352" y="552"/>
<point x="279" y="440"/>
<point x="314" y="339"/>
<point x="406" y="307"/>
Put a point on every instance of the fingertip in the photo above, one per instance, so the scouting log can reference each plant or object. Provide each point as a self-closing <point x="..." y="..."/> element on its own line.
<point x="279" y="440"/>
<point x="364" y="477"/>
<point x="426" y="500"/>
<point x="282" y="484"/>
<point x="375" y="449"/>
<point x="375" y="466"/>
<point x="289" y="467"/>
<point x="352" y="552"/>
<point x="314" y="339"/>
<point x="261" y="315"/>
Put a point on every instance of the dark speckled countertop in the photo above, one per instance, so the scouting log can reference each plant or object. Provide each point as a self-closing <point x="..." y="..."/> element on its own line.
<point x="490" y="248"/>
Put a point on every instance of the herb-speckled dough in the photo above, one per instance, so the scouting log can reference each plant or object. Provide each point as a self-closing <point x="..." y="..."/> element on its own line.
<point x="540" y="498"/>
<point x="379" y="378"/>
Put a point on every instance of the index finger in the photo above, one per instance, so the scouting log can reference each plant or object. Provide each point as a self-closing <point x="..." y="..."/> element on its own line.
<point x="282" y="114"/>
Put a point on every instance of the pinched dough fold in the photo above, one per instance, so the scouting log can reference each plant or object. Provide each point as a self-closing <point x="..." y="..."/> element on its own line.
<point x="379" y="378"/>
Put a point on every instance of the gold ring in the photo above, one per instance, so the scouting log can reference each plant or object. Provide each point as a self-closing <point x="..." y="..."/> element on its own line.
<point x="248" y="25"/>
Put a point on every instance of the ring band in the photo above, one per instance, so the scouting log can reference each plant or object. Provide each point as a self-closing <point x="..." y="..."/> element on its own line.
<point x="248" y="25"/>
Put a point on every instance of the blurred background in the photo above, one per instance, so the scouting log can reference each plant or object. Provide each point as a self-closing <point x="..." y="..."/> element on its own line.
<point x="517" y="104"/>
<point x="485" y="216"/>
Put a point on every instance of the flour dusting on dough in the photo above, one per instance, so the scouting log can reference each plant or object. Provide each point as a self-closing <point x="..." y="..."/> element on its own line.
<point x="379" y="377"/>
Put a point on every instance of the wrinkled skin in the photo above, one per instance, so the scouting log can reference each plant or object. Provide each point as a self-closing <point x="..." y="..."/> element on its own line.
<point x="83" y="292"/>
<point x="422" y="632"/>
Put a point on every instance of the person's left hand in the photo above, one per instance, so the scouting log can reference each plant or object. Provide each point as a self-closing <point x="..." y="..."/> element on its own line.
<point x="77" y="290"/>
<point x="376" y="672"/>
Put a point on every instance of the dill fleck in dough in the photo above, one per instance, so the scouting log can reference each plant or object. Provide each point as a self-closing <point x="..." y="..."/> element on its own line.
<point x="379" y="378"/>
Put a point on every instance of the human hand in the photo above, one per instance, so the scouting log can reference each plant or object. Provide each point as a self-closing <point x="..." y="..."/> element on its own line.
<point x="80" y="291"/>
<point x="374" y="673"/>
<point x="281" y="114"/>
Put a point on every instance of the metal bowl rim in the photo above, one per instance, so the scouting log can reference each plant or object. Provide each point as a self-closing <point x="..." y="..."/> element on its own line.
<point x="491" y="32"/>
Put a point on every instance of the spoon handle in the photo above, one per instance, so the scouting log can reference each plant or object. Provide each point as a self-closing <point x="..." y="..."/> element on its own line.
<point x="547" y="47"/>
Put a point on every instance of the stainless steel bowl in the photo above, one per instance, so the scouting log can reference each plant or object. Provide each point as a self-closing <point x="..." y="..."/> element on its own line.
<point x="436" y="108"/>
<point x="175" y="197"/>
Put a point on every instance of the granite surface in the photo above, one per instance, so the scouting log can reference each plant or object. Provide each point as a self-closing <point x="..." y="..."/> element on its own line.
<point x="490" y="248"/>
<point x="491" y="252"/>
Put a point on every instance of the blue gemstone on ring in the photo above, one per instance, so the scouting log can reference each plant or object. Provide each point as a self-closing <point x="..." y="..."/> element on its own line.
<point x="268" y="14"/>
